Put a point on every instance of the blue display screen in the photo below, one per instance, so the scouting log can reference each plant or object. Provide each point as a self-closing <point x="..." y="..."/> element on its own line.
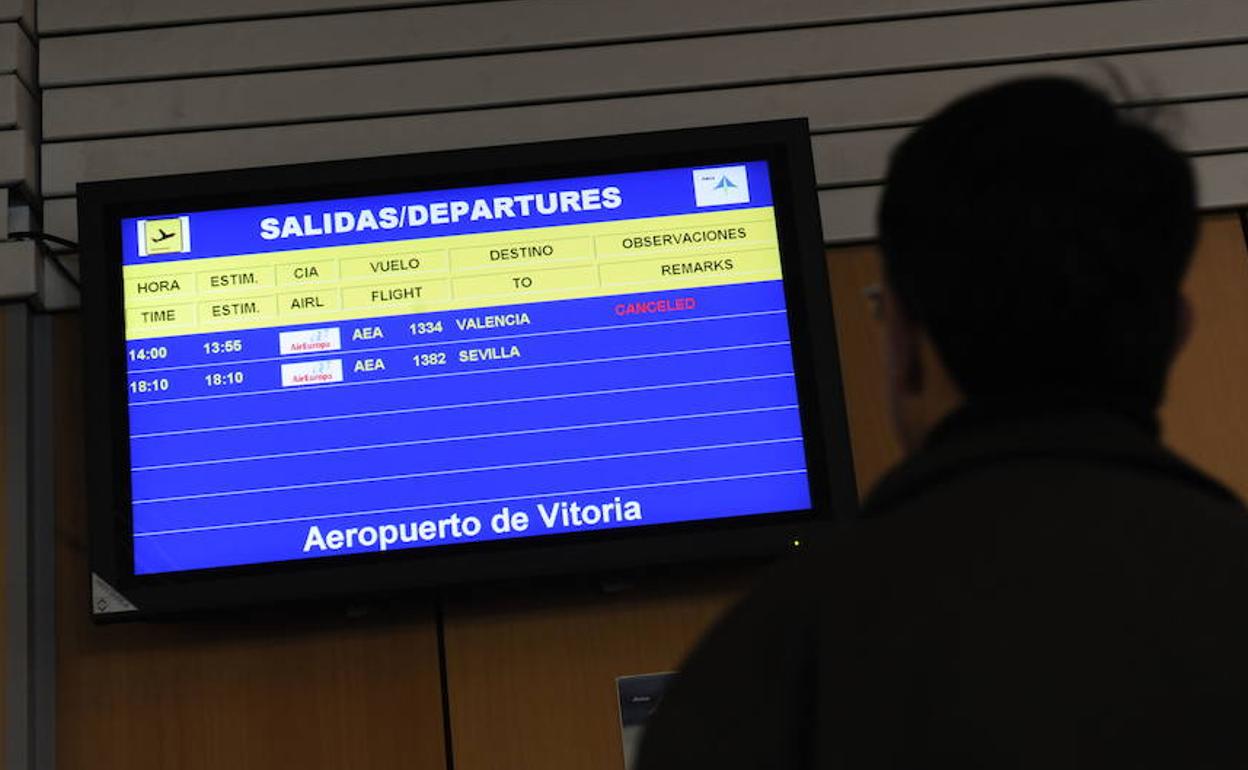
<point x="370" y="375"/>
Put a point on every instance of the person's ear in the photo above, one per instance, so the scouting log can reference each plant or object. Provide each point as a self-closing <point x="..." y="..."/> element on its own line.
<point x="1185" y="322"/>
<point x="905" y="347"/>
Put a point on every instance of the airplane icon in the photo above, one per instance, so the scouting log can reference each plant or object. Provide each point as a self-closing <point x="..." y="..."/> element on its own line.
<point x="725" y="184"/>
<point x="171" y="235"/>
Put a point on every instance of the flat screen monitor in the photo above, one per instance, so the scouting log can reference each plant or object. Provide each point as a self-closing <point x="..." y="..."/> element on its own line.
<point x="345" y="378"/>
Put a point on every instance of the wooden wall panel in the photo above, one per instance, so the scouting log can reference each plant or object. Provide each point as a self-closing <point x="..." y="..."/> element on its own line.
<point x="1206" y="412"/>
<point x="210" y="694"/>
<point x="854" y="273"/>
<point x="1205" y="415"/>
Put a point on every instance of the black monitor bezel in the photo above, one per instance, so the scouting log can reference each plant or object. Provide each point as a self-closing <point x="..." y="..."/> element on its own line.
<point x="784" y="144"/>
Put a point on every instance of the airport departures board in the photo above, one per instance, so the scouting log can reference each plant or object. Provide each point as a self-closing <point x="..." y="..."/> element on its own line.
<point x="392" y="372"/>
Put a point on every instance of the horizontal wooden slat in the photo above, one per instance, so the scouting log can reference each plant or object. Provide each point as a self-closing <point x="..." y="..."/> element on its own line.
<point x="60" y="217"/>
<point x="19" y="269"/>
<point x="14" y="151"/>
<point x="17" y="160"/>
<point x="861" y="157"/>
<point x="841" y="104"/>
<point x="1207" y="126"/>
<point x="855" y="157"/>
<point x="1223" y="180"/>
<point x="425" y="32"/>
<point x="62" y="16"/>
<point x="848" y="214"/>
<point x="21" y="11"/>
<point x="16" y="104"/>
<point x="17" y="54"/>
<point x="212" y="102"/>
<point x="11" y="10"/>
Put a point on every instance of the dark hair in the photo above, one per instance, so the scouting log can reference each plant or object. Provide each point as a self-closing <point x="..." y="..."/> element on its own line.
<point x="1039" y="236"/>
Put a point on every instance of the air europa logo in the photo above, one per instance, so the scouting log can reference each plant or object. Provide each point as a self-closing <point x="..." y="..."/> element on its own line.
<point x="164" y="236"/>
<point x="721" y="186"/>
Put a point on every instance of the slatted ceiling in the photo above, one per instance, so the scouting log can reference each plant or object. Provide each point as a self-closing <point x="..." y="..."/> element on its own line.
<point x="861" y="157"/>
<point x="179" y="125"/>
<point x="470" y="82"/>
<point x="429" y="32"/>
<point x="830" y="104"/>
<point x="59" y="17"/>
<point x="841" y="159"/>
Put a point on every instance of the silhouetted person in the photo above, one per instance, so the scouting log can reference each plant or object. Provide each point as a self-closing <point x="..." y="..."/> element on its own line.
<point x="1040" y="584"/>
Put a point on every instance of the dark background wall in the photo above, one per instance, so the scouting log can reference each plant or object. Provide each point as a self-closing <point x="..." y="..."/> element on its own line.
<point x="529" y="674"/>
<point x="97" y="90"/>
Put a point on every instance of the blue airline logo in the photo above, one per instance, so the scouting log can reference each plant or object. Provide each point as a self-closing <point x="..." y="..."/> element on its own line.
<point x="721" y="186"/>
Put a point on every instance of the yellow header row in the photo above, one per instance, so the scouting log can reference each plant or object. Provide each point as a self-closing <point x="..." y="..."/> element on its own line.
<point x="450" y="273"/>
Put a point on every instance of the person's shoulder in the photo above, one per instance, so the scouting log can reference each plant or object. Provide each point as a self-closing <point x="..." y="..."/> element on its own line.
<point x="1063" y="520"/>
<point x="1086" y="462"/>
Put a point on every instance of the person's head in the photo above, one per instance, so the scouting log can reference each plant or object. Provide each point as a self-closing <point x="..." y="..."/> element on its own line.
<point x="1034" y="241"/>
